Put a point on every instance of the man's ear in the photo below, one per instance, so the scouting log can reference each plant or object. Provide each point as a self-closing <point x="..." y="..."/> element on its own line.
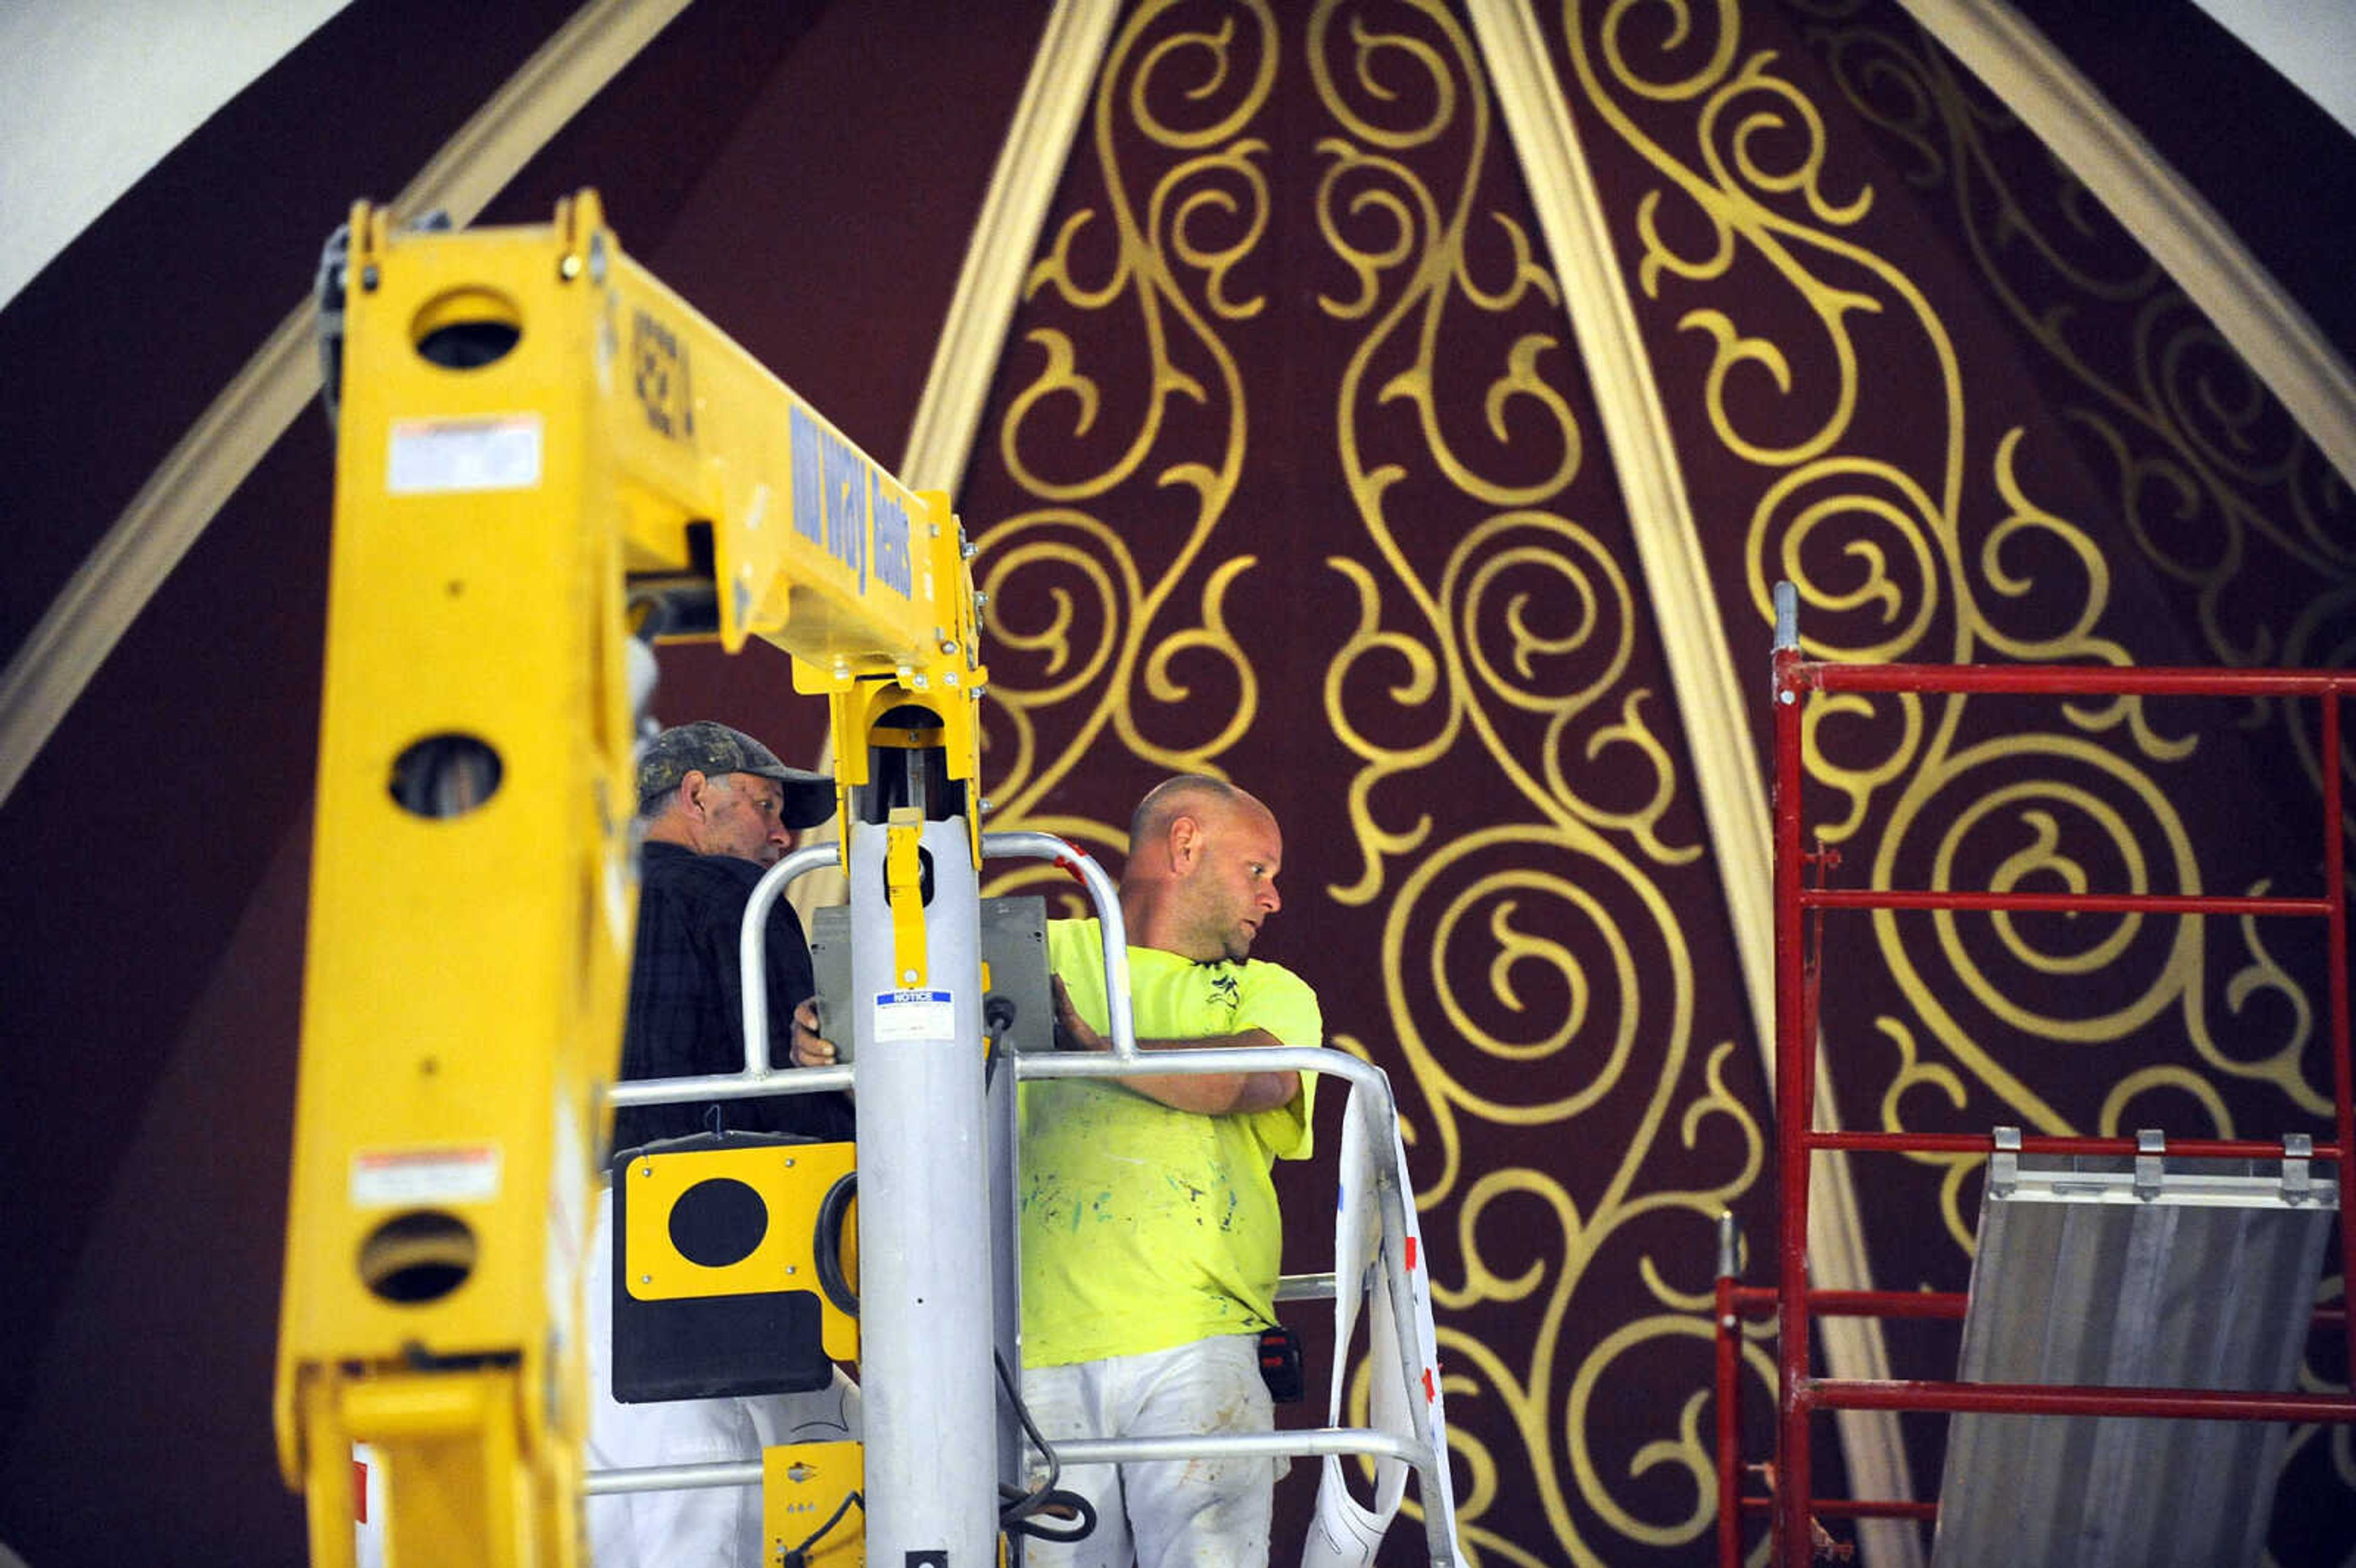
<point x="691" y="785"/>
<point x="1186" y="842"/>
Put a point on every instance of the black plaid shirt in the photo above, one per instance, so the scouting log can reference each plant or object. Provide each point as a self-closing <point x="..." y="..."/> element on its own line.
<point x="687" y="1011"/>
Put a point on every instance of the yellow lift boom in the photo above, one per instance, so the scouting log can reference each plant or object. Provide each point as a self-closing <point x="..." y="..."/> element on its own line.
<point x="531" y="425"/>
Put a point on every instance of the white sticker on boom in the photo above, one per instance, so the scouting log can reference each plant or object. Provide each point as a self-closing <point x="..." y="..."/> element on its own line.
<point x="914" y="1015"/>
<point x="384" y="1177"/>
<point x="432" y="457"/>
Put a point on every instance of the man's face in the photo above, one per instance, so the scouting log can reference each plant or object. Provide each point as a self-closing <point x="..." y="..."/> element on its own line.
<point x="1236" y="878"/>
<point x="742" y="818"/>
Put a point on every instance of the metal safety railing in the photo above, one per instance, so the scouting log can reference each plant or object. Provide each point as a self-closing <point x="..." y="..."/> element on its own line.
<point x="1374" y="1101"/>
<point x="1801" y="1394"/>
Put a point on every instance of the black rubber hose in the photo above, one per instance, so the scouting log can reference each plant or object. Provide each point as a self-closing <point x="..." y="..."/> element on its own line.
<point x="834" y="1211"/>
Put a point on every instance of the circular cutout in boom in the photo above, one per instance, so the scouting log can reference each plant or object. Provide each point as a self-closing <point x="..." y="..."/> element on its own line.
<point x="466" y="329"/>
<point x="417" y="1257"/>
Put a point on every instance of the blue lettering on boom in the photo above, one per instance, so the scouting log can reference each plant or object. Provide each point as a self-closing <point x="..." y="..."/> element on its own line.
<point x="846" y="517"/>
<point x="893" y="566"/>
<point x="810" y="490"/>
<point x="836" y="489"/>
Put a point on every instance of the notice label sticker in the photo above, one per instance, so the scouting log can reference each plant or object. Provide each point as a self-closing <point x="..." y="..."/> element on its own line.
<point x="432" y="457"/>
<point x="914" y="1015"/>
<point x="387" y="1178"/>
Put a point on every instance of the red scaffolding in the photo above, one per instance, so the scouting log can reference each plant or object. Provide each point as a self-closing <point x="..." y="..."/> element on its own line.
<point x="1793" y="1300"/>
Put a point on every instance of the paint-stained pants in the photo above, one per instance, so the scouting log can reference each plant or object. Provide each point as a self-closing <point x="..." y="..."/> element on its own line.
<point x="709" y="1527"/>
<point x="1185" y="1514"/>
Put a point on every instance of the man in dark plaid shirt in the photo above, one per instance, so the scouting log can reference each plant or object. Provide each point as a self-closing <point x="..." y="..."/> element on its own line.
<point x="718" y="809"/>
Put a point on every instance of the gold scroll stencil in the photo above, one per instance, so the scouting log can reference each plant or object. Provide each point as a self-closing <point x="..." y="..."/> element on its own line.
<point x="1291" y="475"/>
<point x="1499" y="640"/>
<point x="2022" y="446"/>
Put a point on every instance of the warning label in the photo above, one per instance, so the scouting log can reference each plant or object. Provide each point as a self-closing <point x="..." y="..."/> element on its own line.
<point x="431" y="457"/>
<point x="387" y="1178"/>
<point x="914" y="1015"/>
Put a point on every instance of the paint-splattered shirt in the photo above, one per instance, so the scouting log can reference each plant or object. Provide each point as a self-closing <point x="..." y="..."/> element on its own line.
<point x="1145" y="1228"/>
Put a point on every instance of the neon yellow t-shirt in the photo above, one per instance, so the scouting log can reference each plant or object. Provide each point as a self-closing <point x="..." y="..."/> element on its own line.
<point x="1145" y="1228"/>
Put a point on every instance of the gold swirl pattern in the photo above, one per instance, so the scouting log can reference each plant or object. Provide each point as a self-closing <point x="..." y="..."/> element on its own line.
<point x="1086" y="616"/>
<point x="1885" y="565"/>
<point x="1518" y="822"/>
<point x="1824" y="367"/>
<point x="2218" y="489"/>
<point x="1535" y="972"/>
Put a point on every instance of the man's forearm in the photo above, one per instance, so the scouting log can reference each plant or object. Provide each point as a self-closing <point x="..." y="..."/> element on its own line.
<point x="1216" y="1093"/>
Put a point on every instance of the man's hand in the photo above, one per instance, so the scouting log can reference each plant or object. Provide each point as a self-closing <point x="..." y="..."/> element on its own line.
<point x="811" y="1049"/>
<point x="1204" y="1093"/>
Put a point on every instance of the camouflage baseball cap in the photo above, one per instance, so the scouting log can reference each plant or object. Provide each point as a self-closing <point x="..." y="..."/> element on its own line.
<point x="714" y="749"/>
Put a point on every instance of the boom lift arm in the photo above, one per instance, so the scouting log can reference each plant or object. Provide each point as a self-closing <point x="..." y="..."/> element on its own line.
<point x="536" y="439"/>
<point x="533" y="431"/>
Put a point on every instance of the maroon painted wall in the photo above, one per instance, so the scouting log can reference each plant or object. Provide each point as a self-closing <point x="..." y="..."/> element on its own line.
<point x="150" y="957"/>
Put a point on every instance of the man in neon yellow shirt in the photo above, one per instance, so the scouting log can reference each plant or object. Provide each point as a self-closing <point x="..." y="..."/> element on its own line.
<point x="1150" y="1227"/>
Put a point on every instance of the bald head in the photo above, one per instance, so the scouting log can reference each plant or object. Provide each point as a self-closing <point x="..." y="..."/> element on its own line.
<point x="1195" y="795"/>
<point x="1201" y="876"/>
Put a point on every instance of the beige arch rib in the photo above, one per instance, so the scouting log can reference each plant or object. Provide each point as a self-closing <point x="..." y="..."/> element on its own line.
<point x="1005" y="237"/>
<point x="1531" y="101"/>
<point x="90" y="614"/>
<point x="990" y="285"/>
<point x="2266" y="327"/>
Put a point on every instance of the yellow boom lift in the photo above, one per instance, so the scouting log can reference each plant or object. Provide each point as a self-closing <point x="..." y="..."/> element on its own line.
<point x="534" y="436"/>
<point x="530" y="427"/>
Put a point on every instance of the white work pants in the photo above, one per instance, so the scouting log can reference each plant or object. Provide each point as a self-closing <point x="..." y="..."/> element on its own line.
<point x="709" y="1527"/>
<point x="1181" y="1513"/>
